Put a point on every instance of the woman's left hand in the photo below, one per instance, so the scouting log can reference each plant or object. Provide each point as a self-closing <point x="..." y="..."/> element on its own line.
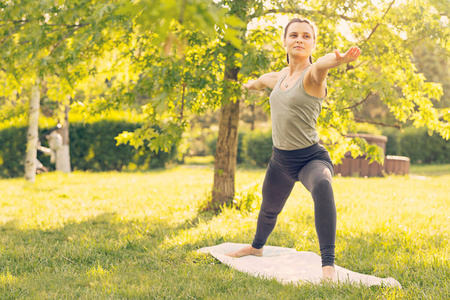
<point x="349" y="56"/>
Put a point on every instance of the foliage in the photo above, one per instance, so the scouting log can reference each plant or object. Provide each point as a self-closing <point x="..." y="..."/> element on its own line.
<point x="62" y="42"/>
<point x="418" y="145"/>
<point x="245" y="201"/>
<point x="48" y="45"/>
<point x="365" y="128"/>
<point x="384" y="68"/>
<point x="135" y="235"/>
<point x="12" y="153"/>
<point x="158" y="16"/>
<point x="258" y="147"/>
<point x="172" y="86"/>
<point x="433" y="62"/>
<point x="423" y="147"/>
<point x="186" y="74"/>
<point x="182" y="63"/>
<point x="393" y="143"/>
<point x="55" y="41"/>
<point x="93" y="148"/>
<point x="248" y="200"/>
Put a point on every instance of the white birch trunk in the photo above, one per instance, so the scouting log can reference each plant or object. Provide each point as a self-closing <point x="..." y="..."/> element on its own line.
<point x="32" y="135"/>
<point x="63" y="153"/>
<point x="63" y="159"/>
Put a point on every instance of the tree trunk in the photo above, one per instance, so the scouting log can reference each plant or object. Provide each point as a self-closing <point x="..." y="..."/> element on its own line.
<point x="225" y="156"/>
<point x="226" y="149"/>
<point x="253" y="116"/>
<point x="63" y="153"/>
<point x="32" y="134"/>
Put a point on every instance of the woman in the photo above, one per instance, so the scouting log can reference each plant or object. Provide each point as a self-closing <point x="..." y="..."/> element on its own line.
<point x="296" y="100"/>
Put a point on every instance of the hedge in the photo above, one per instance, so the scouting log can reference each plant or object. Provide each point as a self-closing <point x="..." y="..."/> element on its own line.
<point x="421" y="147"/>
<point x="92" y="147"/>
<point x="393" y="143"/>
<point x="12" y="151"/>
<point x="258" y="147"/>
<point x="414" y="143"/>
<point x="418" y="145"/>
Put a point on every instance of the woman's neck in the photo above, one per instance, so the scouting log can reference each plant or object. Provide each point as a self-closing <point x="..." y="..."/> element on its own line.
<point x="296" y="66"/>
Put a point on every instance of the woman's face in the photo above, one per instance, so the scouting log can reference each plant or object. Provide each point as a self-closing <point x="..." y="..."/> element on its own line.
<point x="299" y="40"/>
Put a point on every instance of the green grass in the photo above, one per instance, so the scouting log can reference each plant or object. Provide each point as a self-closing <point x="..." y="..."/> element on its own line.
<point x="135" y="236"/>
<point x="430" y="170"/>
<point x="199" y="160"/>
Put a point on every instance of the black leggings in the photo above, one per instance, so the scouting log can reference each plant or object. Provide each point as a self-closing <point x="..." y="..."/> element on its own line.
<point x="313" y="167"/>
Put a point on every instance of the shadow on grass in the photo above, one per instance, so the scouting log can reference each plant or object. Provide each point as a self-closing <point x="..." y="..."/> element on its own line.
<point x="110" y="256"/>
<point x="102" y="255"/>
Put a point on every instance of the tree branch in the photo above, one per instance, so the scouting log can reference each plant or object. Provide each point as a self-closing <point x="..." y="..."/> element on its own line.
<point x="11" y="33"/>
<point x="182" y="101"/>
<point x="378" y="24"/>
<point x="362" y="101"/>
<point x="297" y="10"/>
<point x="60" y="41"/>
<point x="361" y="63"/>
<point x="14" y="21"/>
<point x="67" y="25"/>
<point x="359" y="120"/>
<point x="45" y="24"/>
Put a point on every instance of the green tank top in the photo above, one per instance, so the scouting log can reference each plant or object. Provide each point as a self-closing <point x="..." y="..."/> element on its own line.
<point x="294" y="116"/>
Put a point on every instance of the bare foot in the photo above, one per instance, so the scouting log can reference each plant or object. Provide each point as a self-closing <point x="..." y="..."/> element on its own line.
<point x="247" y="250"/>
<point x="329" y="274"/>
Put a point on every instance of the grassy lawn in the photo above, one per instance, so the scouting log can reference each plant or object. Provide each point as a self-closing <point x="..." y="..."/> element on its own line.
<point x="135" y="236"/>
<point x="430" y="170"/>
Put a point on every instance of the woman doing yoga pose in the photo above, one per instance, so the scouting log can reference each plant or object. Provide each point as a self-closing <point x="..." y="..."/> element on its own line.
<point x="295" y="103"/>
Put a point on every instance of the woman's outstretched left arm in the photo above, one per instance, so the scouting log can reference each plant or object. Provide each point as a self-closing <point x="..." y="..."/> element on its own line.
<point x="320" y="69"/>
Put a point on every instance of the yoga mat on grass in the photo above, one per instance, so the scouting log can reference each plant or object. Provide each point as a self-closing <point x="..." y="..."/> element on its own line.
<point x="288" y="265"/>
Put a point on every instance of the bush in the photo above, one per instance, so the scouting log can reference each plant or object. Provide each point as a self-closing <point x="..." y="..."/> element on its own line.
<point x="393" y="143"/>
<point x="12" y="152"/>
<point x="92" y="147"/>
<point x="249" y="200"/>
<point x="420" y="147"/>
<point x="258" y="147"/>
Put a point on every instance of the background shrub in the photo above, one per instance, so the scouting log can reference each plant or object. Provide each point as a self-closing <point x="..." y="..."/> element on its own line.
<point x="393" y="143"/>
<point x="12" y="151"/>
<point x="92" y="147"/>
<point x="258" y="147"/>
<point x="420" y="147"/>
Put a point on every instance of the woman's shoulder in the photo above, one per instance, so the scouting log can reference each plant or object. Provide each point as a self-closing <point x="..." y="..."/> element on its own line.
<point x="278" y="74"/>
<point x="283" y="71"/>
<point x="271" y="79"/>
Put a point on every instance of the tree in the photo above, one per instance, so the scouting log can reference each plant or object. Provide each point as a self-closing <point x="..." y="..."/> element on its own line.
<point x="53" y="39"/>
<point x="208" y="72"/>
<point x="30" y="159"/>
<point x="188" y="56"/>
<point x="201" y="73"/>
<point x="435" y="65"/>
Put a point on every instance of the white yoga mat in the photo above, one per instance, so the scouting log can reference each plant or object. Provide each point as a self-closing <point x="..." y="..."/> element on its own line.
<point x="288" y="265"/>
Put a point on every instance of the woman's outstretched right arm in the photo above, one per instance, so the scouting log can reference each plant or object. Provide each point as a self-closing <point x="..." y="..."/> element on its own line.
<point x="267" y="80"/>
